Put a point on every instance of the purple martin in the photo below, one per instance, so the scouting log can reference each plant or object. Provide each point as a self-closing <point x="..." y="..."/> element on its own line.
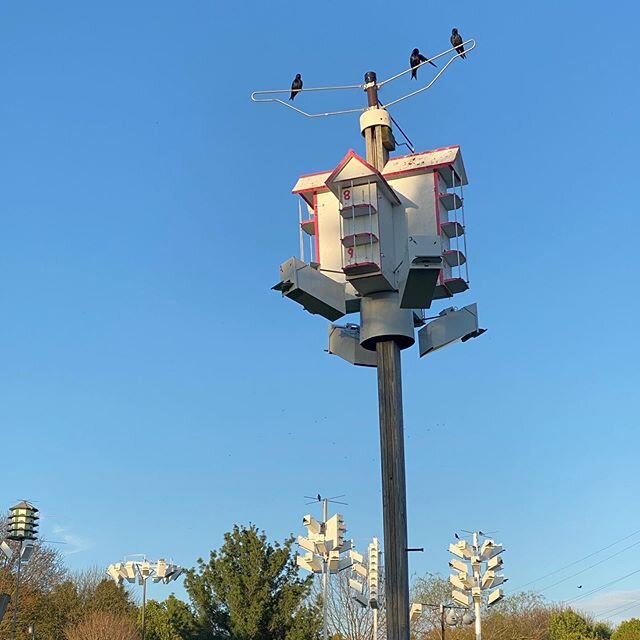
<point x="456" y="41"/>
<point x="296" y="86"/>
<point x="415" y="60"/>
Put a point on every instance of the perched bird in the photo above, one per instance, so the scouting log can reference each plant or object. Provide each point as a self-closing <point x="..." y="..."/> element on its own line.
<point x="415" y="60"/>
<point x="296" y="86"/>
<point x="319" y="498"/>
<point x="456" y="41"/>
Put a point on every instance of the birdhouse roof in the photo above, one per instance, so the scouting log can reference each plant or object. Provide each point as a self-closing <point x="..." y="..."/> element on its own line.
<point x="307" y="185"/>
<point x="354" y="167"/>
<point x="442" y="160"/>
<point x="24" y="505"/>
<point x="356" y="170"/>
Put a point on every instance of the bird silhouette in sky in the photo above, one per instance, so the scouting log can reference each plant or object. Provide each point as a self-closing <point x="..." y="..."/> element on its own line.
<point x="296" y="86"/>
<point x="414" y="61"/>
<point x="456" y="41"/>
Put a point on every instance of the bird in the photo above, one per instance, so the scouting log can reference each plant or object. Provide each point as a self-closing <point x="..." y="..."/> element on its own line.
<point x="579" y="586"/>
<point x="457" y="536"/>
<point x="456" y="41"/>
<point x="415" y="59"/>
<point x="319" y="498"/>
<point x="296" y="86"/>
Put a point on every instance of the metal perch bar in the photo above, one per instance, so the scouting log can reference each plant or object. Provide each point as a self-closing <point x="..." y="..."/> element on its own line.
<point x="435" y="79"/>
<point x="471" y="42"/>
<point x="257" y="96"/>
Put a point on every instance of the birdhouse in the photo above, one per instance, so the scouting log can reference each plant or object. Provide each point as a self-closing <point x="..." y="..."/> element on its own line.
<point x="399" y="229"/>
<point x="429" y="186"/>
<point x="365" y="225"/>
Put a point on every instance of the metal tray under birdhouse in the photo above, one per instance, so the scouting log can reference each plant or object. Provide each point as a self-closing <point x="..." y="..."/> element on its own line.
<point x="361" y="268"/>
<point x="450" y="201"/>
<point x="355" y="210"/>
<point x="309" y="226"/>
<point x="452" y="229"/>
<point x="449" y="287"/>
<point x="454" y="258"/>
<point x="358" y="239"/>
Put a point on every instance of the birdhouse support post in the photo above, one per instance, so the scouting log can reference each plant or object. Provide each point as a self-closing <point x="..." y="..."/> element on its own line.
<point x="386" y="317"/>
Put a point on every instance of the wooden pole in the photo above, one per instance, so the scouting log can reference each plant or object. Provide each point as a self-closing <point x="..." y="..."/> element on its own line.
<point x="394" y="499"/>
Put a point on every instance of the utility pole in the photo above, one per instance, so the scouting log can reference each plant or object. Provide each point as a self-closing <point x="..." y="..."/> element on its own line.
<point x="394" y="498"/>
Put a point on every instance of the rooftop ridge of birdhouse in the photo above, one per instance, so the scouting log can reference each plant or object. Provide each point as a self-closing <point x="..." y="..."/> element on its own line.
<point x="367" y="172"/>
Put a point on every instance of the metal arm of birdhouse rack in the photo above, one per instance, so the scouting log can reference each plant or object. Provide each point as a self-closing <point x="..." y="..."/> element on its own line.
<point x="472" y="46"/>
<point x="263" y="96"/>
<point x="255" y="98"/>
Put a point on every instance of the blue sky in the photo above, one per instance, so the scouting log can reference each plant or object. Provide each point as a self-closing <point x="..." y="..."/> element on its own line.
<point x="154" y="391"/>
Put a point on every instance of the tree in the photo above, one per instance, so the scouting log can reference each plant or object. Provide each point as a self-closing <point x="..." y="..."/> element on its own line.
<point x="519" y="615"/>
<point x="603" y="631"/>
<point x="429" y="590"/>
<point x="38" y="578"/>
<point x="171" y="620"/>
<point x="569" y="625"/>
<point x="250" y="590"/>
<point x="103" y="625"/>
<point x="71" y="601"/>
<point x="627" y="630"/>
<point x="347" y="620"/>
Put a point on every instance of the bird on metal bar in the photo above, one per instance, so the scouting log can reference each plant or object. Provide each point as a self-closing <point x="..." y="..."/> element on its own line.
<point x="456" y="41"/>
<point x="415" y="60"/>
<point x="296" y="86"/>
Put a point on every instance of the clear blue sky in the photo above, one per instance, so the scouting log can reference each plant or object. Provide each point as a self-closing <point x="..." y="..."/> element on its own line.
<point x="154" y="391"/>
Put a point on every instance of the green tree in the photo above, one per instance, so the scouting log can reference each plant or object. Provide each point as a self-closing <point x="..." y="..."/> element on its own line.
<point x="569" y="625"/>
<point x="171" y="620"/>
<point x="627" y="630"/>
<point x="602" y="631"/>
<point x="108" y="596"/>
<point x="250" y="590"/>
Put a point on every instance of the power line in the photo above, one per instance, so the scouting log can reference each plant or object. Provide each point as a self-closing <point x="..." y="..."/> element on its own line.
<point x="595" y="564"/>
<point x="572" y="564"/>
<point x="624" y="607"/>
<point x="604" y="586"/>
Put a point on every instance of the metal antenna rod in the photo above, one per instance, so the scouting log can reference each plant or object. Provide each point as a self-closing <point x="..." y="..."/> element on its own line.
<point x="394" y="499"/>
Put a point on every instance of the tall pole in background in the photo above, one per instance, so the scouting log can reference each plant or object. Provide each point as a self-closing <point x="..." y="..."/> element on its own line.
<point x="394" y="500"/>
<point x="477" y="592"/>
<point x="475" y="581"/>
<point x="325" y="577"/>
<point x="22" y="526"/>
<point x="14" y="620"/>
